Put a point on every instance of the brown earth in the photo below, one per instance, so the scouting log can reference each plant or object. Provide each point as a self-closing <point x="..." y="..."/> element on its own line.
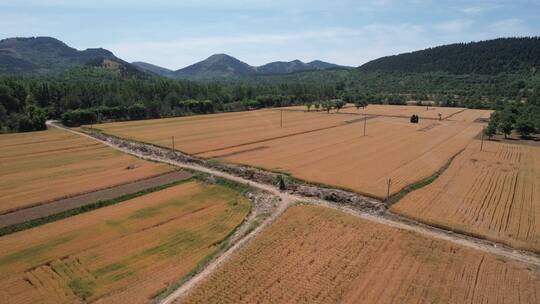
<point x="317" y="255"/>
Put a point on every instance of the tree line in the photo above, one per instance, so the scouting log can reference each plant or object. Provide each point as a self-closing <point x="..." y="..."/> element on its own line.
<point x="92" y="94"/>
<point x="521" y="117"/>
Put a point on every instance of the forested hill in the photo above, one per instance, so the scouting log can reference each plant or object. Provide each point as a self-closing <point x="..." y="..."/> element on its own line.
<point x="504" y="55"/>
<point x="44" y="55"/>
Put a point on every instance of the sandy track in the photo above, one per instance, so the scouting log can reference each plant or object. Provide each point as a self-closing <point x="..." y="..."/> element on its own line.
<point x="286" y="199"/>
<point x="54" y="207"/>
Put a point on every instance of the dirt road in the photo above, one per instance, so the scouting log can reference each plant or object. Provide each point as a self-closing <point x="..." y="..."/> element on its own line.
<point x="287" y="199"/>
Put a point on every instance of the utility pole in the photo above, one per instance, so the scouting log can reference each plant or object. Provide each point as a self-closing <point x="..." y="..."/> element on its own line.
<point x="365" y="122"/>
<point x="173" y="143"/>
<point x="482" y="140"/>
<point x="388" y="184"/>
<point x="281" y="118"/>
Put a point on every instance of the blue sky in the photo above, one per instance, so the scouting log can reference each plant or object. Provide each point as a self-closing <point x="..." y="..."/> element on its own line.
<point x="174" y="34"/>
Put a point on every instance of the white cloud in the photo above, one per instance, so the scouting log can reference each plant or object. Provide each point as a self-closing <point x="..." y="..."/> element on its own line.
<point x="454" y="26"/>
<point x="510" y="28"/>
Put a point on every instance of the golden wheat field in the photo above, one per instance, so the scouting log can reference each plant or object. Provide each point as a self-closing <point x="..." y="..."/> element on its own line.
<point x="494" y="194"/>
<point x="392" y="148"/>
<point x="125" y="253"/>
<point x="318" y="147"/>
<point x="317" y="255"/>
<point x="430" y="112"/>
<point x="38" y="167"/>
<point x="204" y="133"/>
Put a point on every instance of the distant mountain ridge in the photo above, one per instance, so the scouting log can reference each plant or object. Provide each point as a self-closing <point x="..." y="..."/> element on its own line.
<point x="153" y="68"/>
<point x="42" y="55"/>
<point x="225" y="66"/>
<point x="489" y="57"/>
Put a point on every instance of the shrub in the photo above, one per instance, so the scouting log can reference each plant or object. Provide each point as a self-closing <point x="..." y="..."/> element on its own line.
<point x="79" y="117"/>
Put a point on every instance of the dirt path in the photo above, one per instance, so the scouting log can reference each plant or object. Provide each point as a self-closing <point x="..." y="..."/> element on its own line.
<point x="76" y="201"/>
<point x="287" y="199"/>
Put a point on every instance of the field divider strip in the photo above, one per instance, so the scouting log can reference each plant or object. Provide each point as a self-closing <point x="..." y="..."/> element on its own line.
<point x="73" y="195"/>
<point x="396" y="197"/>
<point x="86" y="208"/>
<point x="274" y="138"/>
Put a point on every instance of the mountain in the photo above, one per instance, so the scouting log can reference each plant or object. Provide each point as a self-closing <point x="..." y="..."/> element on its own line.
<point x="42" y="55"/>
<point x="153" y="69"/>
<point x="281" y="67"/>
<point x="504" y="55"/>
<point x="216" y="66"/>
<point x="225" y="66"/>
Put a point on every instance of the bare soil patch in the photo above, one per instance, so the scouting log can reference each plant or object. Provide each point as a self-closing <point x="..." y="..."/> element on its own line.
<point x="54" y="207"/>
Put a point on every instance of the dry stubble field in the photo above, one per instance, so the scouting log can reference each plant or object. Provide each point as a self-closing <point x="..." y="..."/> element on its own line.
<point x="317" y="255"/>
<point x="124" y="253"/>
<point x="343" y="157"/>
<point x="38" y="167"/>
<point x="405" y="111"/>
<point x="336" y="153"/>
<point x="203" y="133"/>
<point x="494" y="194"/>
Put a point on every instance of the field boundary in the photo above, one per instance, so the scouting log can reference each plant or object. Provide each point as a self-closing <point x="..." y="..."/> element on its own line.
<point x="271" y="138"/>
<point x="86" y="208"/>
<point x="396" y="197"/>
<point x="58" y="206"/>
<point x="33" y="205"/>
<point x="234" y="236"/>
<point x="457" y="230"/>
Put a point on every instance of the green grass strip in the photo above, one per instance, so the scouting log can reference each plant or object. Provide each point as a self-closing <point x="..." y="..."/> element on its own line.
<point x="86" y="208"/>
<point x="420" y="184"/>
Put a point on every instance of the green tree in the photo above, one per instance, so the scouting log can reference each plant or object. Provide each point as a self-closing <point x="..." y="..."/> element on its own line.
<point x="339" y="104"/>
<point x="506" y="127"/>
<point x="137" y="111"/>
<point x="327" y="106"/>
<point x="491" y="129"/>
<point x="525" y="126"/>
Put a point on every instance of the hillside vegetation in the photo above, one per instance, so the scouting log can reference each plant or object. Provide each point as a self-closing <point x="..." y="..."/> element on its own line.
<point x="491" y="57"/>
<point x="489" y="74"/>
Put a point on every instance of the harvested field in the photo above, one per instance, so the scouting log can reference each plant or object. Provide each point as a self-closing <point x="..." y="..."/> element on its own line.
<point x="202" y="133"/>
<point x="494" y="194"/>
<point x="126" y="253"/>
<point x="343" y="157"/>
<point x="405" y="111"/>
<point x="317" y="255"/>
<point x="317" y="147"/>
<point x="40" y="167"/>
<point x="55" y="207"/>
<point x="471" y="115"/>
